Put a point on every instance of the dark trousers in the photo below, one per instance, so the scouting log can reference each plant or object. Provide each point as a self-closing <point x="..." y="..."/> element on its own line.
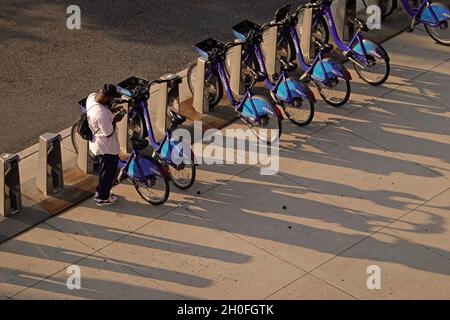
<point x="108" y="173"/>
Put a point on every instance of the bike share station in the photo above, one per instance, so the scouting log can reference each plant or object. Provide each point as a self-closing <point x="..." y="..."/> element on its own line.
<point x="59" y="185"/>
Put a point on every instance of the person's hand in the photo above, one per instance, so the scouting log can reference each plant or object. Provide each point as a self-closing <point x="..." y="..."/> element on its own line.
<point x="118" y="117"/>
<point x="116" y="108"/>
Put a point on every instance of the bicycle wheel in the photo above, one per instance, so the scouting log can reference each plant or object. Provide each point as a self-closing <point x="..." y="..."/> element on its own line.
<point x="386" y="6"/>
<point x="299" y="113"/>
<point x="136" y="126"/>
<point x="73" y="136"/>
<point x="319" y="30"/>
<point x="251" y="63"/>
<point x="183" y="175"/>
<point x="286" y="49"/>
<point x="153" y="188"/>
<point x="268" y="127"/>
<point x="439" y="34"/>
<point x="336" y="95"/>
<point x="377" y="72"/>
<point x="213" y="85"/>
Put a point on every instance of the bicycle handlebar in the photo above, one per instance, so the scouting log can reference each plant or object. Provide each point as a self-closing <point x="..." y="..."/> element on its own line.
<point x="230" y="45"/>
<point x="314" y="5"/>
<point x="271" y="24"/>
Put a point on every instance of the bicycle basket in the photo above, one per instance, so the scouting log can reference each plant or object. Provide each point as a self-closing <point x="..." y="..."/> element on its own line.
<point x="132" y="82"/>
<point x="242" y="29"/>
<point x="206" y="47"/>
<point x="282" y="13"/>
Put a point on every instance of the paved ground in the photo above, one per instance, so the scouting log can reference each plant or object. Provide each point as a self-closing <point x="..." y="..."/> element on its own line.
<point x="46" y="68"/>
<point x="366" y="184"/>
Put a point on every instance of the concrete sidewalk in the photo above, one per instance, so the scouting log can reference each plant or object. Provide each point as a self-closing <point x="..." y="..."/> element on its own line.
<point x="365" y="184"/>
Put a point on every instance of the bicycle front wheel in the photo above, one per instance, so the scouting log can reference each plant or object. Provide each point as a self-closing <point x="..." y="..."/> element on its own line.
<point x="299" y="113"/>
<point x="154" y="188"/>
<point x="376" y="72"/>
<point x="183" y="175"/>
<point x="336" y="95"/>
<point x="440" y="34"/>
<point x="213" y="85"/>
<point x="319" y="30"/>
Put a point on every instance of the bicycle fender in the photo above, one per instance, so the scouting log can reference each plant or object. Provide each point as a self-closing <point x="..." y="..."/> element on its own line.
<point x="372" y="48"/>
<point x="297" y="89"/>
<point x="441" y="11"/>
<point x="333" y="70"/>
<point x="176" y="152"/>
<point x="262" y="105"/>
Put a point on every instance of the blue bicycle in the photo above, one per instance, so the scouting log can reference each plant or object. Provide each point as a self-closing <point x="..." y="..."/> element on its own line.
<point x="331" y="78"/>
<point x="176" y="155"/>
<point x="288" y="92"/>
<point x="258" y="112"/>
<point x="370" y="59"/>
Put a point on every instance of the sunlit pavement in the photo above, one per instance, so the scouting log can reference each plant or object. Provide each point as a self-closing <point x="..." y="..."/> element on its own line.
<point x="365" y="187"/>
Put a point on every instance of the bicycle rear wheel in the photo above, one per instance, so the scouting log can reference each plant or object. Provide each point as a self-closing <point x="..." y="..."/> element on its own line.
<point x="74" y="135"/>
<point x="386" y="6"/>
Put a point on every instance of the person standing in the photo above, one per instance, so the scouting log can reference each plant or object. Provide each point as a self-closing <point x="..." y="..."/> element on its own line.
<point x="104" y="145"/>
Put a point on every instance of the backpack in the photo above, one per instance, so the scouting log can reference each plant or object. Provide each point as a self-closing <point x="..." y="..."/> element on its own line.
<point x="83" y="129"/>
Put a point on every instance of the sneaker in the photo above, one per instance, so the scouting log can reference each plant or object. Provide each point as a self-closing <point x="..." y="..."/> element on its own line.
<point x="103" y="203"/>
<point x="96" y="195"/>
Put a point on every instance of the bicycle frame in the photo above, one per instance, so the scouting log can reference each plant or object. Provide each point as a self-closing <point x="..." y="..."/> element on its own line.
<point x="140" y="177"/>
<point x="284" y="89"/>
<point x="321" y="70"/>
<point x="292" y="32"/>
<point x="270" y="85"/>
<point x="238" y="105"/>
<point x="347" y="48"/>
<point x="164" y="147"/>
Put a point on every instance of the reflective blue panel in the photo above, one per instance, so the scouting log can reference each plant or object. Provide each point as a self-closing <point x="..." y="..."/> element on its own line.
<point x="148" y="168"/>
<point x="441" y="12"/>
<point x="263" y="107"/>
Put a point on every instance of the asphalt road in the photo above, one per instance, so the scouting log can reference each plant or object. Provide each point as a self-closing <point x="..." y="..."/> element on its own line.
<point x="46" y="68"/>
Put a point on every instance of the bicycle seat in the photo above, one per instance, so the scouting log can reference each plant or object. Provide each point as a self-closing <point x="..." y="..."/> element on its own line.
<point x="324" y="47"/>
<point x="287" y="66"/>
<point x="139" y="144"/>
<point x="315" y="5"/>
<point x="176" y="118"/>
<point x="259" y="76"/>
<point x="361" y="24"/>
<point x="170" y="77"/>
